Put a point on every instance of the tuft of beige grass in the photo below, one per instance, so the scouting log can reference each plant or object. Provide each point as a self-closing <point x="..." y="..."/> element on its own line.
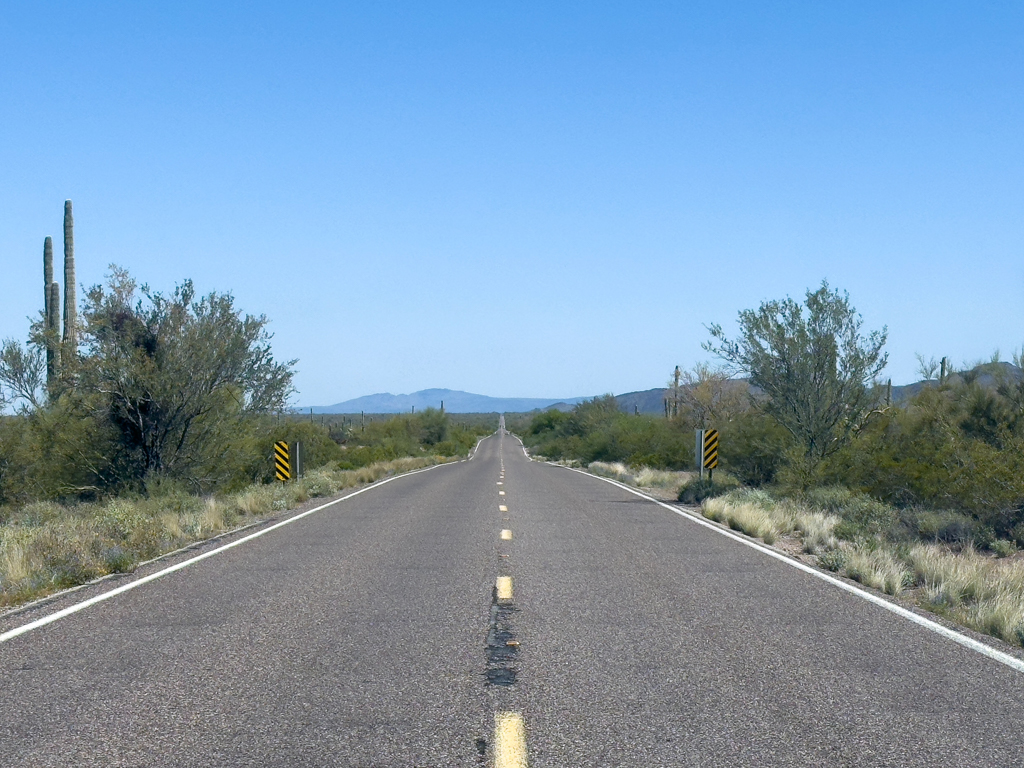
<point x="615" y="470"/>
<point x="879" y="569"/>
<point x="13" y="563"/>
<point x="985" y="594"/>
<point x="746" y="516"/>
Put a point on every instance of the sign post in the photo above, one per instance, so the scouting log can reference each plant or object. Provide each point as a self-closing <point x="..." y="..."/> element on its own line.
<point x="698" y="452"/>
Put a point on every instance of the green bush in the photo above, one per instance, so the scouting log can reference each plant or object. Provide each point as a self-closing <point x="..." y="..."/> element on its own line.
<point x="1003" y="548"/>
<point x="833" y="560"/>
<point x="944" y="526"/>
<point x="861" y="516"/>
<point x="695" y="491"/>
<point x="754" y="448"/>
<point x="597" y="430"/>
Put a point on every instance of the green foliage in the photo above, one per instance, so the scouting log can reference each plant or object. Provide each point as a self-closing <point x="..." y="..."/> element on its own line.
<point x="861" y="516"/>
<point x="596" y="430"/>
<point x="754" y="447"/>
<point x="950" y="448"/>
<point x="429" y="431"/>
<point x="172" y="375"/>
<point x="814" y="369"/>
<point x="833" y="560"/>
<point x="695" y="491"/>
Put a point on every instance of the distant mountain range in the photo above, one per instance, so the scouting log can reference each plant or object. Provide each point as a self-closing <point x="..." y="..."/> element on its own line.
<point x="987" y="375"/>
<point x="644" y="401"/>
<point x="454" y="401"/>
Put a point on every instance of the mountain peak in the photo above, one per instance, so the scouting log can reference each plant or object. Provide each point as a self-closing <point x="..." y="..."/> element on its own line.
<point x="455" y="401"/>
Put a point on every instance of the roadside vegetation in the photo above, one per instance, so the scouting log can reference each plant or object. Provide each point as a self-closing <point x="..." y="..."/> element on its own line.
<point x="147" y="421"/>
<point x="46" y="546"/>
<point x="922" y="499"/>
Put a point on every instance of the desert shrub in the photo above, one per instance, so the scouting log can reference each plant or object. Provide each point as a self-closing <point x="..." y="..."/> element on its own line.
<point x="1003" y="548"/>
<point x="754" y="447"/>
<point x="944" y="526"/>
<point x="699" y="489"/>
<point x="833" y="560"/>
<point x="860" y="515"/>
<point x="596" y="431"/>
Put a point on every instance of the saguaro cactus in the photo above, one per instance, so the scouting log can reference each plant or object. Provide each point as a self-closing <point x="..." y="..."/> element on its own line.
<point x="52" y="323"/>
<point x="47" y="276"/>
<point x="70" y="304"/>
<point x="51" y="310"/>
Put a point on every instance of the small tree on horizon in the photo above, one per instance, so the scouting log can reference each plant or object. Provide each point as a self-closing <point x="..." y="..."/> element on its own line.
<point x="815" y="368"/>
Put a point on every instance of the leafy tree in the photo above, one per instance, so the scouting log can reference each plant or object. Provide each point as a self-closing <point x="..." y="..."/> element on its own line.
<point x="709" y="396"/>
<point x="172" y="374"/>
<point x="815" y="368"/>
<point x="22" y="375"/>
<point x="433" y="426"/>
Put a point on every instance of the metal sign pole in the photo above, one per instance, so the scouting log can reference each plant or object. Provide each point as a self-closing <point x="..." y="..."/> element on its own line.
<point x="698" y="452"/>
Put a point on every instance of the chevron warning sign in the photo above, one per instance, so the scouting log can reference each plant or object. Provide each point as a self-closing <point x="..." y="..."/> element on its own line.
<point x="710" y="448"/>
<point x="282" y="461"/>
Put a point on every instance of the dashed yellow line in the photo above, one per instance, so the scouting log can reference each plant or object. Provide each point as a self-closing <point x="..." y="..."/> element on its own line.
<point x="502" y="508"/>
<point x="506" y="534"/>
<point x="504" y="587"/>
<point x="501" y="493"/>
<point x="509" y="740"/>
<point x="500" y="483"/>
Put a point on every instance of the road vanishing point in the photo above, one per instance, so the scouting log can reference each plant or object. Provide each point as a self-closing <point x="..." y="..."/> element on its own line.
<point x="500" y="612"/>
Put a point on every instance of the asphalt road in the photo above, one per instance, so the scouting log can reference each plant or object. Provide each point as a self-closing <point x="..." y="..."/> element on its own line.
<point x="380" y="632"/>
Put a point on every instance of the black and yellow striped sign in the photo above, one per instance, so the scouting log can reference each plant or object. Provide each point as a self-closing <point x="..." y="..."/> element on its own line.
<point x="282" y="461"/>
<point x="710" y="448"/>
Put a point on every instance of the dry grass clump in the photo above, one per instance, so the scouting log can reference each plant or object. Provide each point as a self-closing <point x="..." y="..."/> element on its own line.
<point x="46" y="546"/>
<point x="745" y="512"/>
<point x="980" y="592"/>
<point x="659" y="478"/>
<point x="985" y="594"/>
<point x="757" y="514"/>
<point x="879" y="569"/>
<point x="816" y="529"/>
<point x="615" y="470"/>
<point x="640" y="477"/>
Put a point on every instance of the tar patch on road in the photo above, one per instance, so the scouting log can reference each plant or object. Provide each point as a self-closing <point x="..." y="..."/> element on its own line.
<point x="502" y="646"/>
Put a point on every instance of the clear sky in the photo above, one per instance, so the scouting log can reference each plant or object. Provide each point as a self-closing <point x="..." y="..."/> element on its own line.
<point x="523" y="198"/>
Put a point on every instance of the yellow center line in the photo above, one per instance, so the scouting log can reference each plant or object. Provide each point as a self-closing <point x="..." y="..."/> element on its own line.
<point x="504" y="587"/>
<point x="509" y="740"/>
<point x="502" y="508"/>
<point x="506" y="534"/>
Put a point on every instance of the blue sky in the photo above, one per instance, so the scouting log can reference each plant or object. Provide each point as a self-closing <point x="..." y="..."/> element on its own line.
<point x="525" y="199"/>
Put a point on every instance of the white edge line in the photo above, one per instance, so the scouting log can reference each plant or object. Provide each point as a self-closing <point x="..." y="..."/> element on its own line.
<point x="57" y="615"/>
<point x="986" y="650"/>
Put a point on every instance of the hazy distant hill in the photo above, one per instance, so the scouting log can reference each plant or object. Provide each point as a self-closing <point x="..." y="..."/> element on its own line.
<point x="647" y="401"/>
<point x="653" y="400"/>
<point x="987" y="375"/>
<point x="454" y="402"/>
